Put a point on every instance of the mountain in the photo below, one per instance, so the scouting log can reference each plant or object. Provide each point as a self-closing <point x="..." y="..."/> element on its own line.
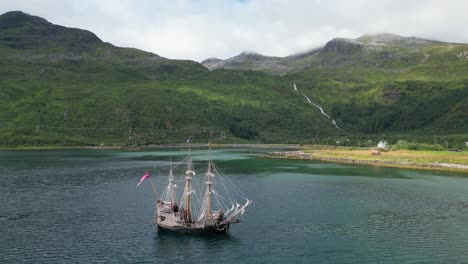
<point x="386" y="55"/>
<point x="248" y="61"/>
<point x="391" y="83"/>
<point x="25" y="32"/>
<point x="65" y="86"/>
<point x="378" y="83"/>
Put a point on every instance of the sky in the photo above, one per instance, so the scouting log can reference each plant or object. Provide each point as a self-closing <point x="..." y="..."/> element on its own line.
<point x="200" y="29"/>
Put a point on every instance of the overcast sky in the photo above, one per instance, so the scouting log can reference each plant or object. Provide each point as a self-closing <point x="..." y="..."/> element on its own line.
<point x="199" y="29"/>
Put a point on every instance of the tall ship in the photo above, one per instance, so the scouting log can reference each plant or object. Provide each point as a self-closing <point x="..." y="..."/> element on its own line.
<point x="209" y="203"/>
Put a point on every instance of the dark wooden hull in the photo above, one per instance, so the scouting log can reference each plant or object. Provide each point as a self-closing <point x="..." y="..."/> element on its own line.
<point x="224" y="229"/>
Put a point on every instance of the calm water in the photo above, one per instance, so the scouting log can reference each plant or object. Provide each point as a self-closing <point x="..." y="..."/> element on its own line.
<point x="81" y="206"/>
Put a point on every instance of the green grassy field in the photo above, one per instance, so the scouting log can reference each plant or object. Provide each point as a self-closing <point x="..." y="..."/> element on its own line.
<point x="438" y="160"/>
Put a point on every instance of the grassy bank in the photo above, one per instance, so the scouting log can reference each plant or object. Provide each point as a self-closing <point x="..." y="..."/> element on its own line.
<point x="432" y="160"/>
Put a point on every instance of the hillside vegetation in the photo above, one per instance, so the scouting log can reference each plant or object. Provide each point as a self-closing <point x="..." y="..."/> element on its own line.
<point x="378" y="84"/>
<point x="64" y="86"/>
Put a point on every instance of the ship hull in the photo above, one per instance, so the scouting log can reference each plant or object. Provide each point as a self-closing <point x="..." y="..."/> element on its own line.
<point x="224" y="229"/>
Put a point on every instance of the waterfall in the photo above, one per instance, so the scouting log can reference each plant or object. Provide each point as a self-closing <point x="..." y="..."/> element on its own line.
<point x="318" y="106"/>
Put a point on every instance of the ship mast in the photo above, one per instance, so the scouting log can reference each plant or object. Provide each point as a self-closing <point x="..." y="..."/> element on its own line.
<point x="188" y="177"/>
<point x="209" y="183"/>
<point x="171" y="185"/>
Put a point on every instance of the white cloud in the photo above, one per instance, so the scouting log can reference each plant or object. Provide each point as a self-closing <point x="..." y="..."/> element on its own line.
<point x="198" y="29"/>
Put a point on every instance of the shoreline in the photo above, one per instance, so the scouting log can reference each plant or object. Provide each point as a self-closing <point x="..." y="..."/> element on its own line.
<point x="159" y="146"/>
<point x="343" y="155"/>
<point x="308" y="154"/>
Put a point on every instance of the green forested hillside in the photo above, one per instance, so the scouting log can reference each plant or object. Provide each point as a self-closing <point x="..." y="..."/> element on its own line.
<point x="388" y="83"/>
<point x="64" y="86"/>
<point x="378" y="84"/>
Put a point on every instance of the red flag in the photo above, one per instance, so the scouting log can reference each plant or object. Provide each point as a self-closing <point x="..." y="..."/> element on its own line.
<point x="146" y="175"/>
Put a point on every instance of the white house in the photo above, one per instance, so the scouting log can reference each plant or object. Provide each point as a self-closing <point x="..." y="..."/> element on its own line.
<point x="382" y="144"/>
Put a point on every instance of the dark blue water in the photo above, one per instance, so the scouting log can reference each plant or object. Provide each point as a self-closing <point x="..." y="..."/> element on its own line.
<point x="81" y="206"/>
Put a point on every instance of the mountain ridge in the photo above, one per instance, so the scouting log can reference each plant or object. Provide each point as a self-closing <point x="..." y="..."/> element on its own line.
<point x="370" y="43"/>
<point x="37" y="31"/>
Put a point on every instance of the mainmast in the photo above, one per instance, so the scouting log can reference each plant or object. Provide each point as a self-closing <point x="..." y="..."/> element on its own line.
<point x="188" y="177"/>
<point x="171" y="185"/>
<point x="209" y="183"/>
